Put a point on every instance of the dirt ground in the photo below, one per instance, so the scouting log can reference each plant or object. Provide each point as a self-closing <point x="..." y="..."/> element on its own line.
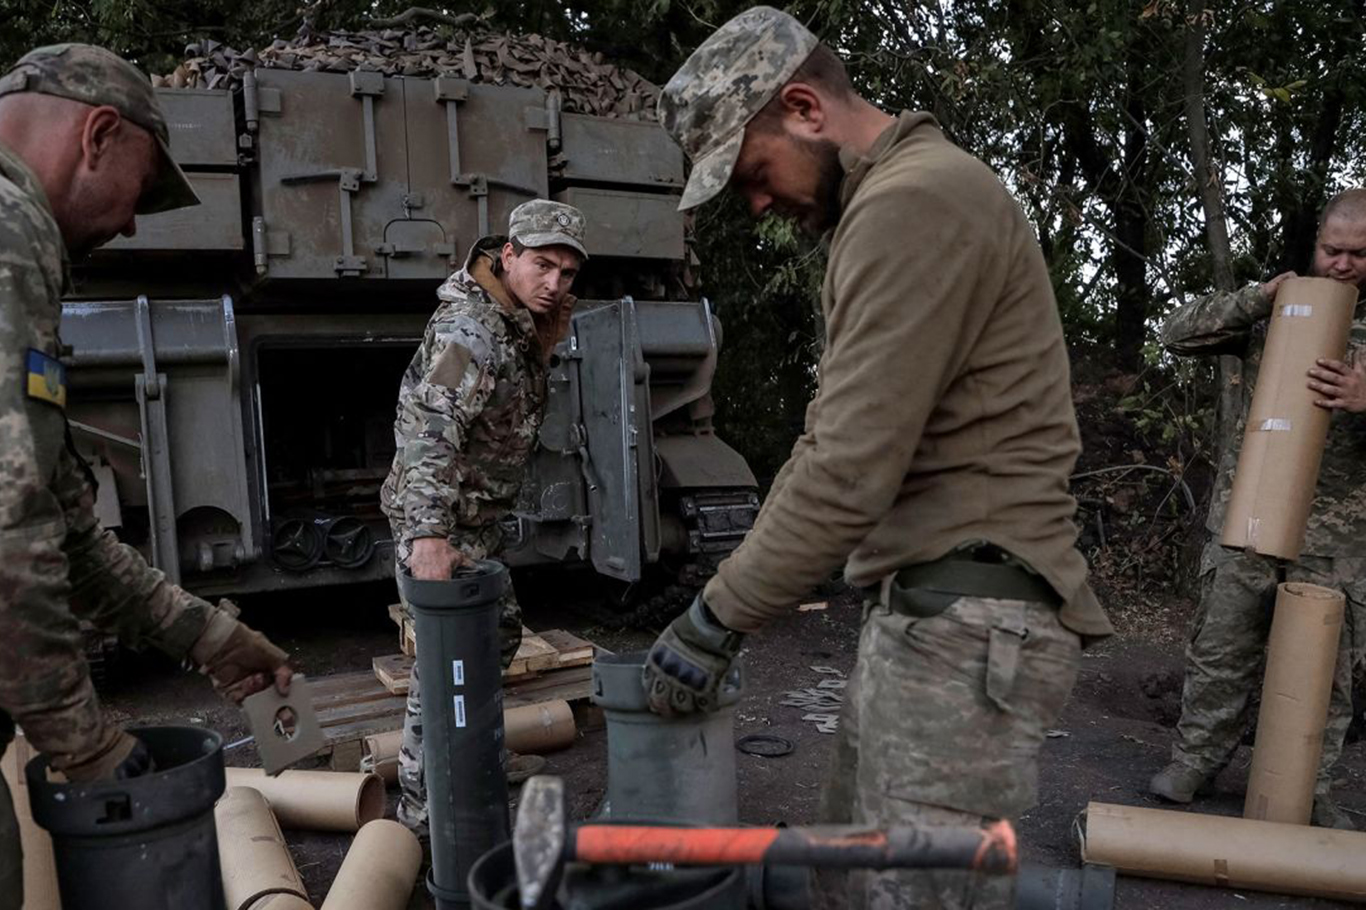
<point x="1115" y="732"/>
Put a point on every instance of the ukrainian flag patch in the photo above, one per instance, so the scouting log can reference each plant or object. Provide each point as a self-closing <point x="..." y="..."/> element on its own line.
<point x="46" y="378"/>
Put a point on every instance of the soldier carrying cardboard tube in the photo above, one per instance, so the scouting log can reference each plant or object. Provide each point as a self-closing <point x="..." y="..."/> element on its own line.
<point x="1224" y="656"/>
<point x="934" y="460"/>
<point x="469" y="408"/>
<point x="83" y="150"/>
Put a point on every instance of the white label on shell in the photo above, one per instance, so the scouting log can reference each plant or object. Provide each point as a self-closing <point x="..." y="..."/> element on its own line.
<point x="1274" y="424"/>
<point x="1297" y="309"/>
<point x="460" y="710"/>
<point x="458" y="672"/>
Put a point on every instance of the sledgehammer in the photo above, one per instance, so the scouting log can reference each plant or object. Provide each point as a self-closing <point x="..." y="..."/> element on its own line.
<point x="543" y="841"/>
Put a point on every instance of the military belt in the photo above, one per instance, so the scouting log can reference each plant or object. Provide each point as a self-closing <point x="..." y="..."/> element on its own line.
<point x="928" y="588"/>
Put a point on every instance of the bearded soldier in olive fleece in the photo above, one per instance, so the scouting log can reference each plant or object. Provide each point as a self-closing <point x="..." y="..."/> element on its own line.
<point x="470" y="407"/>
<point x="1225" y="652"/>
<point x="57" y="566"/>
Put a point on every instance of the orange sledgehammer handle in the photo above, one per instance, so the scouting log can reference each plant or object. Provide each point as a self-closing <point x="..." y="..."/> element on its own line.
<point x="992" y="849"/>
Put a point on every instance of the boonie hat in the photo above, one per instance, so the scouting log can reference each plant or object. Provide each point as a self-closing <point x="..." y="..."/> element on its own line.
<point x="719" y="89"/>
<point x="541" y="222"/>
<point x="96" y="76"/>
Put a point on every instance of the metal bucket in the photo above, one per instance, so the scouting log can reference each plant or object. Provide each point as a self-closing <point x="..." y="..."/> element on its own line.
<point x="493" y="886"/>
<point x="678" y="769"/>
<point x="148" y="842"/>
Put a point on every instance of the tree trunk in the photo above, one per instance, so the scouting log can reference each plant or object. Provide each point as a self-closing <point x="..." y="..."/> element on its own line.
<point x="1210" y="187"/>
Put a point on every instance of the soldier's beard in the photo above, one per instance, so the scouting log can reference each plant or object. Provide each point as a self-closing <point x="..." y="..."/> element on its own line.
<point x="824" y="212"/>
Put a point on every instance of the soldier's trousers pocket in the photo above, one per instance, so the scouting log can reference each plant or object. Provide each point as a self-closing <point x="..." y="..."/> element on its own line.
<point x="1008" y="636"/>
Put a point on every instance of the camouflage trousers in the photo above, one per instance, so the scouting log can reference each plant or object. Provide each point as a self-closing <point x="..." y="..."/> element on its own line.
<point x="1226" y="653"/>
<point x="942" y="724"/>
<point x="412" y="803"/>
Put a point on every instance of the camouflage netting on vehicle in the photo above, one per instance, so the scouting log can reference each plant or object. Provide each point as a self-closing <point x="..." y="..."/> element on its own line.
<point x="586" y="84"/>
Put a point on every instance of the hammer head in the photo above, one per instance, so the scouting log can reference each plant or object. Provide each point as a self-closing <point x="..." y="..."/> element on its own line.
<point x="538" y="840"/>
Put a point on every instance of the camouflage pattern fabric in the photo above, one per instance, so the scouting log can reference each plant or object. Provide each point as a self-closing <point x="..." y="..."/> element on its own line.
<point x="542" y="222"/>
<point x="1235" y="323"/>
<point x="942" y="724"/>
<point x="96" y="76"/>
<point x="720" y="88"/>
<point x="470" y="406"/>
<point x="412" y="803"/>
<point x="11" y="852"/>
<point x="1226" y="652"/>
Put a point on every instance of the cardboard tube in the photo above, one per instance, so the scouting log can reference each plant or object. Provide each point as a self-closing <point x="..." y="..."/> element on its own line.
<point x="282" y="902"/>
<point x="1302" y="653"/>
<point x="379" y="869"/>
<point x="540" y="728"/>
<point x="1278" y="466"/>
<point x="379" y="755"/>
<point x="252" y="851"/>
<point x="529" y="729"/>
<point x="40" y="868"/>
<point x="316" y="800"/>
<point x="1226" y="852"/>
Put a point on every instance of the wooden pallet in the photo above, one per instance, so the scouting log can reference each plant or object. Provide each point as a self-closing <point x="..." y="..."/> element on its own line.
<point x="555" y="649"/>
<point x="352" y="706"/>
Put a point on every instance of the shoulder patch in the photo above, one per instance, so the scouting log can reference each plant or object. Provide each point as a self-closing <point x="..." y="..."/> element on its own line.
<point x="449" y="368"/>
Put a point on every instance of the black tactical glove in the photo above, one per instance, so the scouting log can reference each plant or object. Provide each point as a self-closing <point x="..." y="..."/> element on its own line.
<point x="124" y="758"/>
<point x="687" y="663"/>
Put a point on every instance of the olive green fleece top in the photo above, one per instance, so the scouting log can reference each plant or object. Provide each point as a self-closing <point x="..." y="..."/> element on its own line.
<point x="944" y="410"/>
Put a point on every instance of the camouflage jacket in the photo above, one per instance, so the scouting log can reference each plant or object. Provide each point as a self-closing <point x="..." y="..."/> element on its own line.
<point x="1235" y="322"/>
<point x="469" y="407"/>
<point x="57" y="566"/>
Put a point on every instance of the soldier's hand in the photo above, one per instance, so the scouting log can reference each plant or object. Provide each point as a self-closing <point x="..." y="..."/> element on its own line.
<point x="689" y="661"/>
<point x="240" y="660"/>
<point x="1342" y="385"/>
<point x="434" y="559"/>
<point x="126" y="758"/>
<point x="1270" y="288"/>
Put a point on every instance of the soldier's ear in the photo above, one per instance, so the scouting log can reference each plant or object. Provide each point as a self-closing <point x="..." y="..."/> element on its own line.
<point x="507" y="254"/>
<point x="100" y="134"/>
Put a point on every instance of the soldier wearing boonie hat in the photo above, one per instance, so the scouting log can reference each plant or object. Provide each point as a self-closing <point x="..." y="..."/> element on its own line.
<point x="934" y="462"/>
<point x="96" y="76"/>
<point x="75" y="170"/>
<point x="470" y="406"/>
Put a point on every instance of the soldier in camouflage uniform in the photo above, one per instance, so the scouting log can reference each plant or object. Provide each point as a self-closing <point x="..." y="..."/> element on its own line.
<point x="83" y="149"/>
<point x="1226" y="650"/>
<point x="933" y="464"/>
<point x="469" y="408"/>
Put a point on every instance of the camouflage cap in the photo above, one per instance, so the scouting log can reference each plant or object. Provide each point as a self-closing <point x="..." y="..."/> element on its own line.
<point x="723" y="85"/>
<point x="541" y="222"/>
<point x="96" y="76"/>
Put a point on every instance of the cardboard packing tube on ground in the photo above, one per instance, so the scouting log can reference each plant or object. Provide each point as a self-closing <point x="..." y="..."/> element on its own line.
<point x="527" y="729"/>
<point x="1302" y="653"/>
<point x="252" y="851"/>
<point x="379" y="870"/>
<point x="1226" y="852"/>
<point x="40" y="867"/>
<point x="316" y="800"/>
<point x="1278" y="466"/>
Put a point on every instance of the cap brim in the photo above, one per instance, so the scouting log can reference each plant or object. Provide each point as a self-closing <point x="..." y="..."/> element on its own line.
<point x="711" y="172"/>
<point x="172" y="189"/>
<point x="552" y="238"/>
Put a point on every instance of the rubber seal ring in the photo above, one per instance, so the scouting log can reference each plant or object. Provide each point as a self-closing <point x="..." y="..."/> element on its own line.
<point x="764" y="745"/>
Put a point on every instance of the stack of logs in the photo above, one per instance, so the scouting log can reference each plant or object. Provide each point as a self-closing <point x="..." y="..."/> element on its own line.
<point x="586" y="84"/>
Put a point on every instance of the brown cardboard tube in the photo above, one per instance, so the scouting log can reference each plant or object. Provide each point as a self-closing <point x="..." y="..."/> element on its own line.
<point x="528" y="729"/>
<point x="40" y="868"/>
<point x="316" y="800"/>
<point x="252" y="851"/>
<point x="281" y="902"/>
<point x="379" y="755"/>
<point x="540" y="728"/>
<point x="379" y="869"/>
<point x="1302" y="652"/>
<point x="1226" y="852"/>
<point x="1278" y="466"/>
